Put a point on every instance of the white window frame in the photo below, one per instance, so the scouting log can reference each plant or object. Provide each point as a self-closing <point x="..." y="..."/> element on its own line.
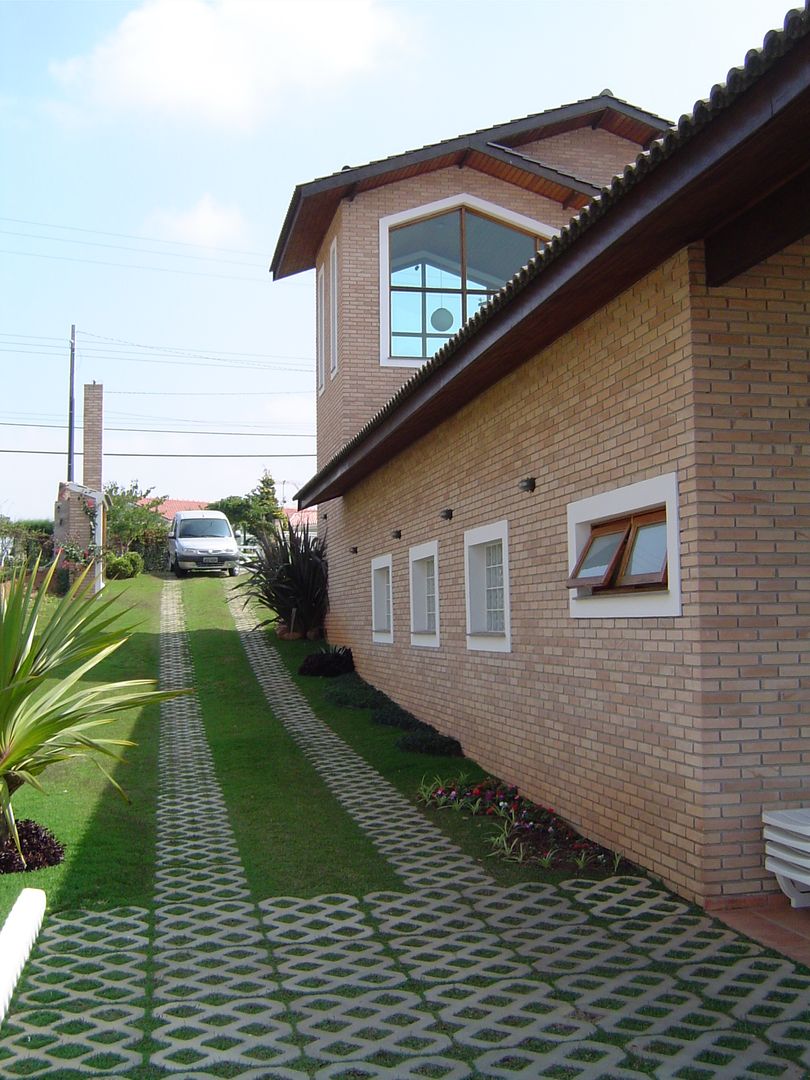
<point x="333" y="309"/>
<point x="475" y="544"/>
<point x="382" y="593"/>
<point x="498" y="213"/>
<point x="417" y="557"/>
<point x="320" y="331"/>
<point x="635" y="498"/>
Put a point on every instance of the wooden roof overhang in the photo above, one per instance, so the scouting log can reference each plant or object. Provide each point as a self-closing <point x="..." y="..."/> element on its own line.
<point x="730" y="158"/>
<point x="313" y="205"/>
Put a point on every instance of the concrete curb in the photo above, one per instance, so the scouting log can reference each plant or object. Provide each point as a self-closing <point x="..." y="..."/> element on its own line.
<point x="17" y="937"/>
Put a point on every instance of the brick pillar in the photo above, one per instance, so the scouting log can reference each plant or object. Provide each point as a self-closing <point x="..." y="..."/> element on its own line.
<point x="93" y="430"/>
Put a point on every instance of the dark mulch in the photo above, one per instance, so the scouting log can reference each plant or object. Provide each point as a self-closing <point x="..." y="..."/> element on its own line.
<point x="39" y="846"/>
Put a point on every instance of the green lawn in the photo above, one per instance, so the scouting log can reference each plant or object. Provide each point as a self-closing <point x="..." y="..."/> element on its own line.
<point x="294" y="837"/>
<point x="109" y="844"/>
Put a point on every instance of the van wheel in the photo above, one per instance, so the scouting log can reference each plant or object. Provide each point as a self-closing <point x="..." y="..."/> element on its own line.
<point x="178" y="572"/>
<point x="233" y="571"/>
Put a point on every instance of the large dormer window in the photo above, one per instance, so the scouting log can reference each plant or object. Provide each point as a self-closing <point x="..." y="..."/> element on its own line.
<point x="441" y="263"/>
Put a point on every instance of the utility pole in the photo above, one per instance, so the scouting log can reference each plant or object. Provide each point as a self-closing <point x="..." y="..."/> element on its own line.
<point x="71" y="403"/>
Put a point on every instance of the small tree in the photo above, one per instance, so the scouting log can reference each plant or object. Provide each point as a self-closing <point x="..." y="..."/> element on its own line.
<point x="132" y="516"/>
<point x="255" y="511"/>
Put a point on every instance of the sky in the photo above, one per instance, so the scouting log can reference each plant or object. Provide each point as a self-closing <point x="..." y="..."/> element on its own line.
<point x="148" y="154"/>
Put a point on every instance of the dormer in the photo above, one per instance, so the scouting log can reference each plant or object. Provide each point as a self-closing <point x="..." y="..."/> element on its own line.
<point x="407" y="249"/>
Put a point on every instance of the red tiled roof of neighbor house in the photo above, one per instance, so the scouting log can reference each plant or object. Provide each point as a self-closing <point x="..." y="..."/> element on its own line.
<point x="494" y="150"/>
<point x="302" y="517"/>
<point x="716" y="167"/>
<point x="169" y="507"/>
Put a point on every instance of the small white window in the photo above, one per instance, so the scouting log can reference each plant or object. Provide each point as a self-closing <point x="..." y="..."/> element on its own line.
<point x="486" y="566"/>
<point x="424" y="564"/>
<point x="624" y="552"/>
<point x="320" y="344"/>
<point x="382" y="613"/>
<point x="333" y="309"/>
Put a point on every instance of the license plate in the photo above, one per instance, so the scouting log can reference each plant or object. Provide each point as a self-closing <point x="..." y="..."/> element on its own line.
<point x="210" y="559"/>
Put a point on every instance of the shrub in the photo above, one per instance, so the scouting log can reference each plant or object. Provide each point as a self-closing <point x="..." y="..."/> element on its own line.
<point x="429" y="741"/>
<point x="288" y="575"/>
<point x="329" y="662"/>
<point x="352" y="692"/>
<point x="118" y="566"/>
<point x="392" y="715"/>
<point x="135" y="561"/>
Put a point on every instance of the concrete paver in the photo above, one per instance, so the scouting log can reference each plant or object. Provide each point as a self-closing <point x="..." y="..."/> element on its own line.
<point x="454" y="977"/>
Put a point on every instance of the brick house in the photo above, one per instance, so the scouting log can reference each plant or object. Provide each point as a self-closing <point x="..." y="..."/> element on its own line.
<point x="568" y="517"/>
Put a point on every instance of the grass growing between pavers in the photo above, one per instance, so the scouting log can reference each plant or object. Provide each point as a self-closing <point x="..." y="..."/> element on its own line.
<point x="294" y="837"/>
<point x="109" y="844"/>
<point x="405" y="770"/>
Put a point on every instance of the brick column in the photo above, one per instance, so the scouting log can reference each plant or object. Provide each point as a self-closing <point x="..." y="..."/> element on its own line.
<point x="93" y="431"/>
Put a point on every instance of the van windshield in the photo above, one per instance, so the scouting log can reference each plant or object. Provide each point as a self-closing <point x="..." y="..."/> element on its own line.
<point x="204" y="527"/>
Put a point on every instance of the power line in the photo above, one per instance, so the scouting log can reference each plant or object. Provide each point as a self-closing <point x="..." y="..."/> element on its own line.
<point x="174" y="431"/>
<point x="121" y="454"/>
<point x="192" y="351"/>
<point x="204" y="393"/>
<point x="137" y="266"/>
<point x="168" y="361"/>
<point x="123" y="247"/>
<point x="131" y="236"/>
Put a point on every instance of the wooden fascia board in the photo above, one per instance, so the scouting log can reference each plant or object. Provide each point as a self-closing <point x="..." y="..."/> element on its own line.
<point x="514" y="157"/>
<point x="505" y="133"/>
<point x="776" y="221"/>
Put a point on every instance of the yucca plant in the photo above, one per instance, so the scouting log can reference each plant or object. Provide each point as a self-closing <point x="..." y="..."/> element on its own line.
<point x="42" y="720"/>
<point x="288" y="576"/>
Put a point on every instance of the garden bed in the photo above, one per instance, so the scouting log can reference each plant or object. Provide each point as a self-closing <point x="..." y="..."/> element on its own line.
<point x="526" y="832"/>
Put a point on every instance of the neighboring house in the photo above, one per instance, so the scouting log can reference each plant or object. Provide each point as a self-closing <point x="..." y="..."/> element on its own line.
<point x="300" y="518"/>
<point x="169" y="507"/>
<point x="573" y="531"/>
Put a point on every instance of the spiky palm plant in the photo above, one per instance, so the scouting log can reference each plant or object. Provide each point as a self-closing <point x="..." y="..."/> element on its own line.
<point x="288" y="575"/>
<point x="45" y="720"/>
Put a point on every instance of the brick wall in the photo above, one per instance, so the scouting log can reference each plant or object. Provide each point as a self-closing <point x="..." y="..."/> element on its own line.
<point x="660" y="737"/>
<point x="593" y="717"/>
<point x="752" y="372"/>
<point x="596" y="156"/>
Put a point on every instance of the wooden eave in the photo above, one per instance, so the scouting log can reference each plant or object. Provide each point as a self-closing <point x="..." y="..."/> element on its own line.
<point x="690" y="185"/>
<point x="314" y="205"/>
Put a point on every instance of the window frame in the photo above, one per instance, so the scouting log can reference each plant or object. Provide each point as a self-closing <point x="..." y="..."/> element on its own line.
<point x="632" y="599"/>
<point x="320" y="329"/>
<point x="476" y="542"/>
<point x="382" y="635"/>
<point x="477" y="205"/>
<point x="421" y="636"/>
<point x="333" y="309"/>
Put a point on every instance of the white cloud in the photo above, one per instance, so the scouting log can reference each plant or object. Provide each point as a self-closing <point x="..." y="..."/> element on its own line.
<point x="205" y="223"/>
<point x="227" y="62"/>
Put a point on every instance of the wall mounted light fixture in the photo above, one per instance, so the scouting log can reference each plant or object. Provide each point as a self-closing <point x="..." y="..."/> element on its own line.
<point x="352" y="550"/>
<point x="447" y="513"/>
<point x="528" y="483"/>
<point x="396" y="534"/>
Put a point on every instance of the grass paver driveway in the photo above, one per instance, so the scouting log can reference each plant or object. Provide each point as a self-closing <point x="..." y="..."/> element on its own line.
<point x="308" y="919"/>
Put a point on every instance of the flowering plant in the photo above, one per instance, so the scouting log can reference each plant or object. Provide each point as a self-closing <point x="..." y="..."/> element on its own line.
<point x="527" y="831"/>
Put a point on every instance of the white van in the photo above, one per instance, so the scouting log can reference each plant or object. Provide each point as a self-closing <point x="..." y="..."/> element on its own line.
<point x="202" y="540"/>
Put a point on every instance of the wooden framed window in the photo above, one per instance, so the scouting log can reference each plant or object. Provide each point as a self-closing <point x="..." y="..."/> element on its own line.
<point x="626" y="553"/>
<point x="644" y="561"/>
